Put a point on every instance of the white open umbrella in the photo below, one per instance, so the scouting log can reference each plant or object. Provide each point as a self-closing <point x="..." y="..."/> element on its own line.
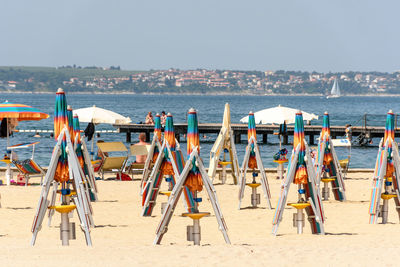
<point x="97" y="115"/>
<point x="100" y="115"/>
<point x="278" y="115"/>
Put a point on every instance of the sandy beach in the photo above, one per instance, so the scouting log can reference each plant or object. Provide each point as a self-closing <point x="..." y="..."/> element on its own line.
<point x="123" y="238"/>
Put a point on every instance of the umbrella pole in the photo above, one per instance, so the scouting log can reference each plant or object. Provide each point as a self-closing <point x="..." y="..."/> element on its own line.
<point x="92" y="153"/>
<point x="8" y="171"/>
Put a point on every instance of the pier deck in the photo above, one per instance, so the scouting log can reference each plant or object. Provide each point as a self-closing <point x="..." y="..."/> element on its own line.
<point x="311" y="131"/>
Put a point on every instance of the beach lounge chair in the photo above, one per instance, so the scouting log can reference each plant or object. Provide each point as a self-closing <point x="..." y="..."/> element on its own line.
<point x="112" y="164"/>
<point x="344" y="164"/>
<point x="137" y="150"/>
<point x="28" y="168"/>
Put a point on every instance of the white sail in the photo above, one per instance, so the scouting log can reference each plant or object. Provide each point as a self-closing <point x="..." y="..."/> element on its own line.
<point x="335" y="88"/>
<point x="335" y="92"/>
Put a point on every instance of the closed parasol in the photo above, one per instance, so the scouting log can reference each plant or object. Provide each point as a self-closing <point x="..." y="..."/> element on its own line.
<point x="61" y="121"/>
<point x="157" y="132"/>
<point x="301" y="176"/>
<point x="194" y="181"/>
<point x="251" y="132"/>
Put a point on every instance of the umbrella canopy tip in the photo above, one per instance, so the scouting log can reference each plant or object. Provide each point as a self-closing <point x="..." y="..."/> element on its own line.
<point x="390" y="111"/>
<point x="326" y="113"/>
<point x="60" y="90"/>
<point x="69" y="107"/>
<point x="251" y="112"/>
<point x="192" y="110"/>
<point x="169" y="114"/>
<point x="158" y="114"/>
<point x="298" y="111"/>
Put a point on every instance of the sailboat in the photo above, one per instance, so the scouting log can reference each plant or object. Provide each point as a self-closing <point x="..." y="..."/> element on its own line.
<point x="335" y="92"/>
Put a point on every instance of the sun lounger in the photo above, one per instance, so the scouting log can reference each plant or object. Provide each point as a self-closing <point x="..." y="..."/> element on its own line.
<point x="29" y="168"/>
<point x="137" y="150"/>
<point x="112" y="164"/>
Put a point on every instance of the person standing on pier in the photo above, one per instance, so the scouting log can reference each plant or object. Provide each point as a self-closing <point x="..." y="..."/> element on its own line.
<point x="348" y="132"/>
<point x="163" y="118"/>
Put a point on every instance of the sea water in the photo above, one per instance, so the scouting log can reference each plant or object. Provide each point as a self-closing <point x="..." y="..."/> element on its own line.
<point x="210" y="109"/>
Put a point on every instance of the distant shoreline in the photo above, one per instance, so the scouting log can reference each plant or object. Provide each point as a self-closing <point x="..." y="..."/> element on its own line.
<point x="196" y="94"/>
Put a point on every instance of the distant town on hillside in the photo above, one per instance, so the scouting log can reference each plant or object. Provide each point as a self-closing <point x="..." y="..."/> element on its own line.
<point x="199" y="81"/>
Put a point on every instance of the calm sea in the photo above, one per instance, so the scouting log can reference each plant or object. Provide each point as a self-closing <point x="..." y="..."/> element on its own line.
<point x="210" y="109"/>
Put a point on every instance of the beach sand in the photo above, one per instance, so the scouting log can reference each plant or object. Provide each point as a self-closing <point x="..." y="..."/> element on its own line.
<point x="123" y="238"/>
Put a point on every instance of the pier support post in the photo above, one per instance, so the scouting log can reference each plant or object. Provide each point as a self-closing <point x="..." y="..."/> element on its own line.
<point x="237" y="138"/>
<point x="128" y="137"/>
<point x="147" y="136"/>
<point x="178" y="137"/>
<point x="265" y="138"/>
<point x="311" y="139"/>
<point x="285" y="139"/>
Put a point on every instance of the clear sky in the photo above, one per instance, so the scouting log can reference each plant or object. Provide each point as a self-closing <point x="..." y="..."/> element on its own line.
<point x="321" y="35"/>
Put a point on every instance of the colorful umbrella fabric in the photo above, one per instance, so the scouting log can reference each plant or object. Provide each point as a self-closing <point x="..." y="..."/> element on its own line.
<point x="169" y="137"/>
<point x="77" y="137"/>
<point x="325" y="134"/>
<point x="21" y="112"/>
<point x="157" y="132"/>
<point x="301" y="176"/>
<point x="61" y="120"/>
<point x="194" y="181"/>
<point x="389" y="134"/>
<point x="251" y="132"/>
<point x="70" y="123"/>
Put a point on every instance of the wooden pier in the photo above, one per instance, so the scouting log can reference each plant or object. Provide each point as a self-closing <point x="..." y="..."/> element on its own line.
<point x="312" y="131"/>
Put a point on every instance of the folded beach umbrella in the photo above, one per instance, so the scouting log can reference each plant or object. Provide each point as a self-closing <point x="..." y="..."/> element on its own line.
<point x="169" y="137"/>
<point x="389" y="134"/>
<point x="385" y="182"/>
<point x="157" y="132"/>
<point x="278" y="115"/>
<point x="77" y="137"/>
<point x="301" y="170"/>
<point x="326" y="131"/>
<point x="251" y="132"/>
<point x="61" y="120"/>
<point x="194" y="181"/>
<point x="70" y="118"/>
